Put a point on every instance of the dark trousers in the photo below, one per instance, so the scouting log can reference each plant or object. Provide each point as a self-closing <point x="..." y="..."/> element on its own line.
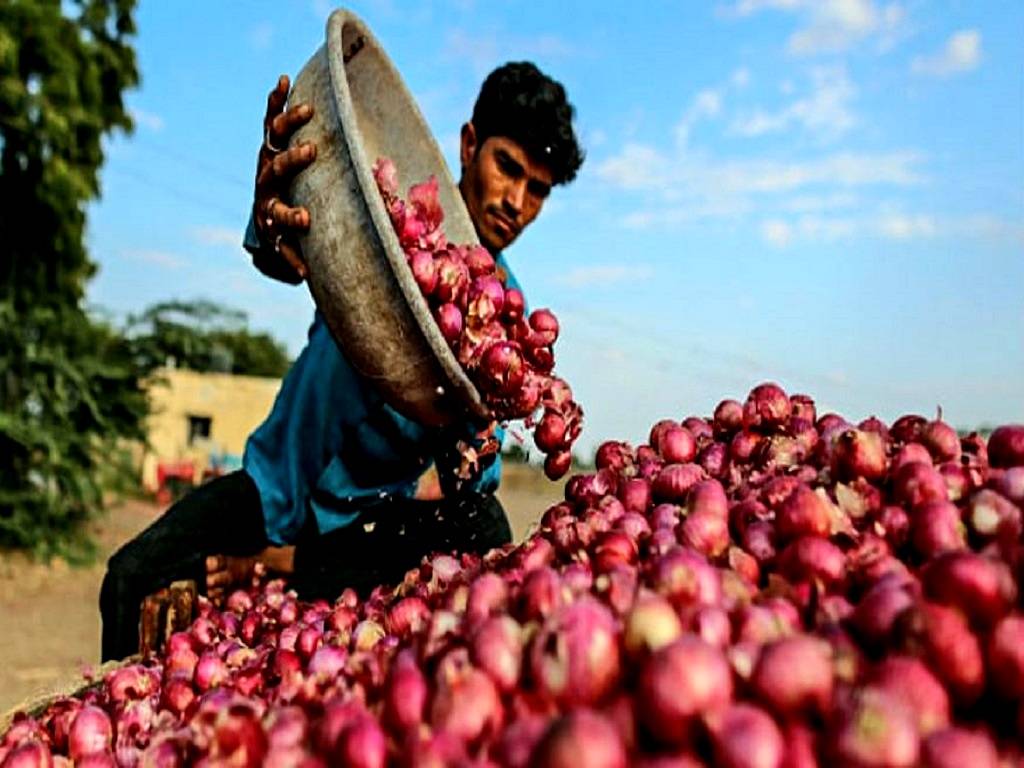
<point x="225" y="517"/>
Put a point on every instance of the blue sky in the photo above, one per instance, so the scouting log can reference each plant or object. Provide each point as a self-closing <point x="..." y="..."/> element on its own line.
<point x="825" y="193"/>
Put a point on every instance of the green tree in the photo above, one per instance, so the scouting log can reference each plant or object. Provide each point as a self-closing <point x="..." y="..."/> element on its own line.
<point x="204" y="336"/>
<point x="70" y="392"/>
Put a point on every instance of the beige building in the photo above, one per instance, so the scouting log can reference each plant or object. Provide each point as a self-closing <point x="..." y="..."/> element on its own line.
<point x="204" y="418"/>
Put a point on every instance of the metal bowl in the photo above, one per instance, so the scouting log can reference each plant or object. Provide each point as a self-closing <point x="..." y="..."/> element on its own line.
<point x="357" y="270"/>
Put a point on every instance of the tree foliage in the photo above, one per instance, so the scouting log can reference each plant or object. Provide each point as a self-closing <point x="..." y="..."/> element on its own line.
<point x="204" y="336"/>
<point x="70" y="391"/>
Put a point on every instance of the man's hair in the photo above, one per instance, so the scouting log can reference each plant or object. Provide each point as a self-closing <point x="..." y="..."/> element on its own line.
<point x="521" y="103"/>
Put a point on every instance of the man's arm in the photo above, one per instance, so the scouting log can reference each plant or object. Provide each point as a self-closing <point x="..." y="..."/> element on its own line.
<point x="274" y="226"/>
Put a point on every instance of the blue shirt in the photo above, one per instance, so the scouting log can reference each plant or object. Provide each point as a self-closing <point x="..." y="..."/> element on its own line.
<point x="331" y="446"/>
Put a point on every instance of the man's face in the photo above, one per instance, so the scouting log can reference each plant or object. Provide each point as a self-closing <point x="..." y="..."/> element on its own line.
<point x="503" y="187"/>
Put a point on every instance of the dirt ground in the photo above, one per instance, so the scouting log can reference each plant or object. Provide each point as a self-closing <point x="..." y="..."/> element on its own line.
<point x="50" y="615"/>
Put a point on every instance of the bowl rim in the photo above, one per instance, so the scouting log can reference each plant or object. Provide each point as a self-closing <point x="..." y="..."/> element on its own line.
<point x="464" y="389"/>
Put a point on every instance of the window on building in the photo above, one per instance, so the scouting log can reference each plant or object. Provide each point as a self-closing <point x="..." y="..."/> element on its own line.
<point x="198" y="428"/>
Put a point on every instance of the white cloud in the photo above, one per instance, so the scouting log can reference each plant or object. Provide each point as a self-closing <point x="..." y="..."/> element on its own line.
<point x="829" y="26"/>
<point x="707" y="104"/>
<point x="836" y="25"/>
<point x="605" y="275"/>
<point x="829" y="229"/>
<point x="163" y="259"/>
<point x="962" y="53"/>
<point x="740" y="78"/>
<point x="640" y="167"/>
<point x="824" y="112"/>
<point x="748" y="7"/>
<point x="261" y="35"/>
<point x="776" y="232"/>
<point x="147" y="119"/>
<point x="899" y="226"/>
<point x="227" y="236"/>
<point x="482" y="51"/>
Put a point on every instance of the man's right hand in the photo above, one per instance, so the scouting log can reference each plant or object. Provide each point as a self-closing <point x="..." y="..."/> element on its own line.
<point x="278" y="224"/>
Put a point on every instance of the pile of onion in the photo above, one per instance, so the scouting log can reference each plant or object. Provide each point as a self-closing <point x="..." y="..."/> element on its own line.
<point x="761" y="588"/>
<point x="507" y="352"/>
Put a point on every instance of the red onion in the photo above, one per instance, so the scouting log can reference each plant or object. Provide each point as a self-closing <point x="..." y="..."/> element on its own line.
<point x="802" y="407"/>
<point x="935" y="527"/>
<point x="575" y="657"/>
<point x="468" y="707"/>
<point x="794" y="676"/>
<point x="767" y="408"/>
<point x="874" y="616"/>
<point x="676" y="445"/>
<point x="550" y="432"/>
<point x="728" y="417"/>
<point x="497" y="648"/>
<point x="803" y="512"/>
<point x="557" y="464"/>
<point x="940" y="636"/>
<point x="700" y="429"/>
<point x="362" y="745"/>
<point x="909" y="682"/>
<point x="742" y="446"/>
<point x="685" y="578"/>
<point x="875" y="731"/>
<point x="813" y="557"/>
<point x="706" y="532"/>
<point x="991" y="514"/>
<point x="1005" y="655"/>
<point x="744" y="736"/>
<point x="857" y="453"/>
<point x="541" y="594"/>
<point x="91" y="732"/>
<point x="713" y="459"/>
<point x="959" y="747"/>
<point x="674" y="481"/>
<point x="677" y="684"/>
<point x="1006" y="446"/>
<point x="580" y="739"/>
<point x="907" y="428"/>
<point x="941" y="440"/>
<point x="982" y="589"/>
<point x="651" y="624"/>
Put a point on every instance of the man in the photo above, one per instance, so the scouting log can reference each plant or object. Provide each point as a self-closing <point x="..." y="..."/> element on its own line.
<point x="335" y="489"/>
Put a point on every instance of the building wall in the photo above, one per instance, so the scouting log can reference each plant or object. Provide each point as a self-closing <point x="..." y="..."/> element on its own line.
<point x="234" y="405"/>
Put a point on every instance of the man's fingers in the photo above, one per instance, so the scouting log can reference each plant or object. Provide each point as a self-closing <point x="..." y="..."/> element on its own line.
<point x="291" y="255"/>
<point x="218" y="579"/>
<point x="277" y="99"/>
<point x="275" y="170"/>
<point x="283" y="125"/>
